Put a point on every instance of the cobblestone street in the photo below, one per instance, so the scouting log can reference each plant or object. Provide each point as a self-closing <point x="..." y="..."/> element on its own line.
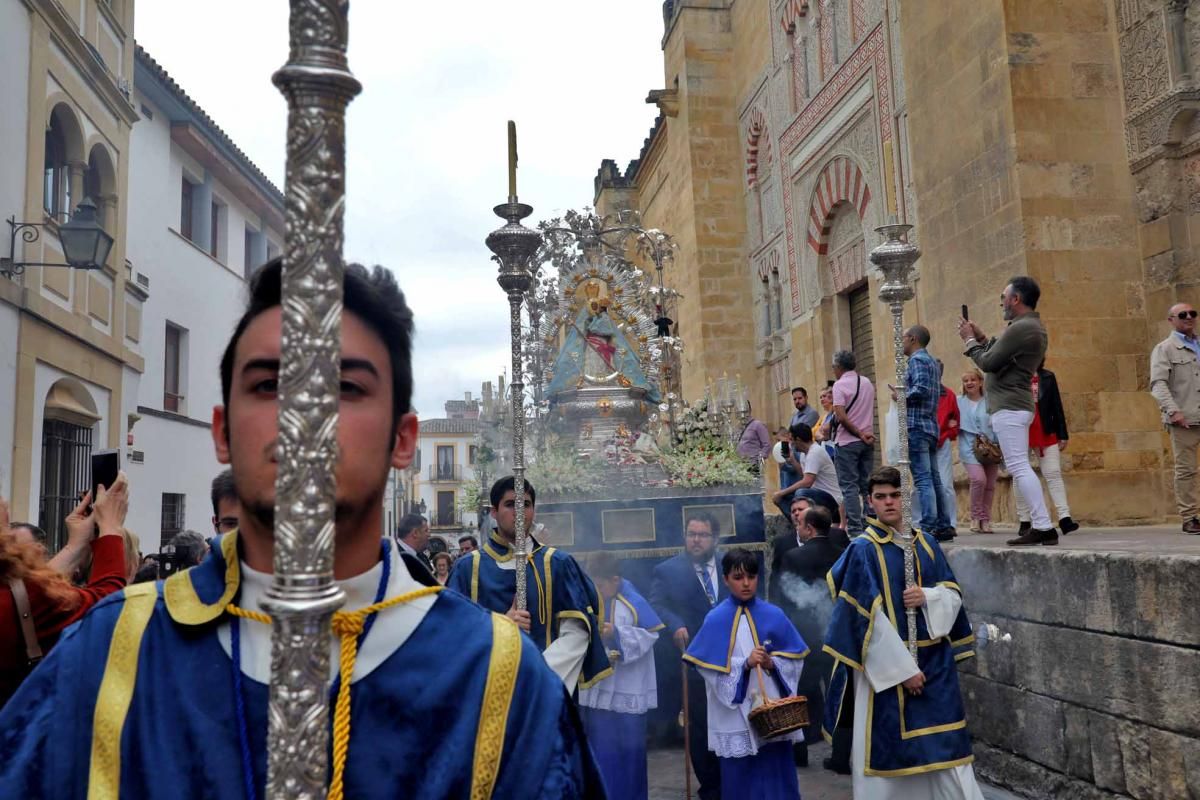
<point x="666" y="778"/>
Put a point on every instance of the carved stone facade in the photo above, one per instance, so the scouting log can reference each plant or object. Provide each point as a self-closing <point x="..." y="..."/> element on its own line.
<point x="1028" y="145"/>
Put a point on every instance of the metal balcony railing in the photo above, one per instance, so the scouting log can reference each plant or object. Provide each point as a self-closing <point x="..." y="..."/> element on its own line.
<point x="444" y="473"/>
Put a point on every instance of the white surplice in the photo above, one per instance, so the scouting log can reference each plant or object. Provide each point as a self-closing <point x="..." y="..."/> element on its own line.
<point x="631" y="689"/>
<point x="730" y="734"/>
<point x="888" y="663"/>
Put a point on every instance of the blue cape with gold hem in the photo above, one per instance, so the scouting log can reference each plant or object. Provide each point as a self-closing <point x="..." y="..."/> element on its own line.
<point x="907" y="734"/>
<point x="558" y="589"/>
<point x="137" y="700"/>
<point x="712" y="646"/>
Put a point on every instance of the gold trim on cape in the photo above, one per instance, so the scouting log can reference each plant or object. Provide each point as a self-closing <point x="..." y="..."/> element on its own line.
<point x="185" y="606"/>
<point x="497" y="698"/>
<point x="116" y="691"/>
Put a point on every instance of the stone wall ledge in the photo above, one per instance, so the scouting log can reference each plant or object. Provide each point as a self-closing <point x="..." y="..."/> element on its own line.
<point x="1143" y="595"/>
<point x="1019" y="734"/>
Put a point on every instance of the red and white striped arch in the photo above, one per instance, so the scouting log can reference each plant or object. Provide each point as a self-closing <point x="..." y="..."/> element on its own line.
<point x="754" y="135"/>
<point x="840" y="182"/>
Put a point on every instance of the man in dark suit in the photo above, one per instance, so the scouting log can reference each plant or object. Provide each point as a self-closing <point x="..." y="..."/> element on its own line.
<point x="683" y="591"/>
<point x="802" y="500"/>
<point x="803" y="583"/>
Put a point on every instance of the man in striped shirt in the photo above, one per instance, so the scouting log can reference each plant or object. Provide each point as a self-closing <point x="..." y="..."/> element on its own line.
<point x="924" y="387"/>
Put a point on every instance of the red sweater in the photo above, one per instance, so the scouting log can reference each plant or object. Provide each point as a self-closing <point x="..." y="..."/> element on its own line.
<point x="49" y="617"/>
<point x="947" y="414"/>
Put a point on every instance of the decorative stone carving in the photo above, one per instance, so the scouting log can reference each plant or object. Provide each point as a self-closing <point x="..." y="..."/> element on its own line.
<point x="1130" y="12"/>
<point x="1144" y="63"/>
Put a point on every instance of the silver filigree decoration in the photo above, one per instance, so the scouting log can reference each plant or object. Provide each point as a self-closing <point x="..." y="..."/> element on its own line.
<point x="303" y="596"/>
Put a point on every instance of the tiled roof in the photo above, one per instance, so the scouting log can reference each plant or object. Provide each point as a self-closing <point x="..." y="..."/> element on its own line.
<point x="182" y="97"/>
<point x="461" y="426"/>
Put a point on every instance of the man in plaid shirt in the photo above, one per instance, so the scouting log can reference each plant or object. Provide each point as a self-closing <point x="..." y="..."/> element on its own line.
<point x="924" y="387"/>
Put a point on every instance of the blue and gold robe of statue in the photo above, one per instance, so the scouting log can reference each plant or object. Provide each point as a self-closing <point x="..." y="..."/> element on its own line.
<point x="557" y="588"/>
<point x="905" y="734"/>
<point x="137" y="700"/>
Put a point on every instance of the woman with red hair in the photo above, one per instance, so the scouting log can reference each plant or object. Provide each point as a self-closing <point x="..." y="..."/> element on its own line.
<point x="36" y="601"/>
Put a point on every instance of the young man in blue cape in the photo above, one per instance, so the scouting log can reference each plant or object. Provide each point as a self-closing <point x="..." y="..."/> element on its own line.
<point x="562" y="618"/>
<point x="161" y="691"/>
<point x="910" y="733"/>
<point x="740" y="635"/>
<point x="614" y="710"/>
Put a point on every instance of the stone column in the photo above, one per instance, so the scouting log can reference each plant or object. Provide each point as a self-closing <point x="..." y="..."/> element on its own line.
<point x="1177" y="44"/>
<point x="74" y="188"/>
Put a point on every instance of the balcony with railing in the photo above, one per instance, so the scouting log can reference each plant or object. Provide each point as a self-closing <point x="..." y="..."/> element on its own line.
<point x="445" y="473"/>
<point x="451" y="519"/>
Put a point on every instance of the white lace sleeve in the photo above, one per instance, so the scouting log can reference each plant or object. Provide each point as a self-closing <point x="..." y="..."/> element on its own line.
<point x="789" y="670"/>
<point x="723" y="686"/>
<point x="635" y="641"/>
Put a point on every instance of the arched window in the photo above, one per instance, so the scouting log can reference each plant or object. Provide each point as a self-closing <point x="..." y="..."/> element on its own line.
<point x="99" y="182"/>
<point x="56" y="187"/>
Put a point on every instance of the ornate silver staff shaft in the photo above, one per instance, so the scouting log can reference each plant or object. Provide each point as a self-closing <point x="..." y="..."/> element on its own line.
<point x="895" y="258"/>
<point x="514" y="245"/>
<point x="303" y="596"/>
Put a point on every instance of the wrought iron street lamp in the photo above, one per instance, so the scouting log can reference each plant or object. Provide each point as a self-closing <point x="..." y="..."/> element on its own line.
<point x="895" y="258"/>
<point x="85" y="244"/>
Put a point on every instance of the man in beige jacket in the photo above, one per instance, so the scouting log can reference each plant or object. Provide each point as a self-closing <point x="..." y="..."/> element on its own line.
<point x="1175" y="384"/>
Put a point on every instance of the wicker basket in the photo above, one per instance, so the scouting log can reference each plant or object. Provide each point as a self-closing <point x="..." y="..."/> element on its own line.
<point x="777" y="717"/>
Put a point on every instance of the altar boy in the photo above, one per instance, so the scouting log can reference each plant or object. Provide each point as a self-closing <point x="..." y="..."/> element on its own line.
<point x="738" y="635"/>
<point x="614" y="710"/>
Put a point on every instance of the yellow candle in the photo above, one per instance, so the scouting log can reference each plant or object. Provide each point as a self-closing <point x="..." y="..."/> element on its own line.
<point x="512" y="159"/>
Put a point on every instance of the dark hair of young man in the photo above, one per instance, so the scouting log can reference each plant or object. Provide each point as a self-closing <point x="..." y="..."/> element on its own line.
<point x="819" y="520"/>
<point x="223" y="488"/>
<point x="469" y="538"/>
<point x="739" y="558"/>
<point x="802" y="431"/>
<point x="601" y="565"/>
<point x="1027" y="288"/>
<point x="506" y="484"/>
<point x="708" y="519"/>
<point x="371" y="295"/>
<point x="884" y="476"/>
<point x="408" y="524"/>
<point x="803" y="392"/>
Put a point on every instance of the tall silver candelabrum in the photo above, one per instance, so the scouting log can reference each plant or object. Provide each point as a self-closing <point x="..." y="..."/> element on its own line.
<point x="514" y="245"/>
<point x="895" y="258"/>
<point x="303" y="596"/>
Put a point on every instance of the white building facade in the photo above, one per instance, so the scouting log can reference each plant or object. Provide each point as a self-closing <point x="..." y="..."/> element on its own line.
<point x="445" y="468"/>
<point x="203" y="217"/>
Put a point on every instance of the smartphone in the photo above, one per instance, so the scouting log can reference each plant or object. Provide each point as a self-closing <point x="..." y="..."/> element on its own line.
<point x="105" y="466"/>
<point x="784" y="449"/>
<point x="964" y="311"/>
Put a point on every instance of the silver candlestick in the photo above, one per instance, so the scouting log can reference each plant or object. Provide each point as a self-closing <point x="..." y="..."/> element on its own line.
<point x="895" y="258"/>
<point x="303" y="596"/>
<point x="514" y="245"/>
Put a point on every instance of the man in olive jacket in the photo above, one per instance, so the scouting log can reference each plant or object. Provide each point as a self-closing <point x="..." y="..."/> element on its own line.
<point x="1008" y="362"/>
<point x="1175" y="384"/>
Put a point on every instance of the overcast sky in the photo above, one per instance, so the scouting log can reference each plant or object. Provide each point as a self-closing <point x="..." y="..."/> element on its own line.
<point x="426" y="138"/>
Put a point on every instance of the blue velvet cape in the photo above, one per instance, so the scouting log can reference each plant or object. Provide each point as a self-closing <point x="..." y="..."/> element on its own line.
<point x="558" y="589"/>
<point x="419" y="725"/>
<point x="907" y="734"/>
